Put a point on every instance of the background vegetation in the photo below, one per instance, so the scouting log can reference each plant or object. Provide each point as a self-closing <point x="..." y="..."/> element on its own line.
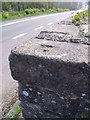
<point x="11" y="10"/>
<point x="19" y="6"/>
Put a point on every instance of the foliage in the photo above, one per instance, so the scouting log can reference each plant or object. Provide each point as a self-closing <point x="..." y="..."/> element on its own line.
<point x="30" y="12"/>
<point x="20" y="6"/>
<point x="5" y="14"/>
<point x="14" y="114"/>
<point x="12" y="10"/>
<point x="79" y="17"/>
<point x="0" y="16"/>
<point x="43" y="10"/>
<point x="27" y="11"/>
<point x="36" y="10"/>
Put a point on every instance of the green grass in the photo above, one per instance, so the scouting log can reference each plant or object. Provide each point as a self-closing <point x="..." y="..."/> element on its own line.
<point x="0" y="16"/>
<point x="15" y="113"/>
<point x="28" y="12"/>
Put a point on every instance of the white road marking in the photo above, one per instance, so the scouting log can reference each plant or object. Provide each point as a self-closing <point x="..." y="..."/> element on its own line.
<point x="36" y="17"/>
<point x="57" y="20"/>
<point x="18" y="36"/>
<point x="45" y="16"/>
<point x="38" y="28"/>
<point x="50" y="23"/>
<point x="40" y="17"/>
<point x="11" y="23"/>
<point x="7" y="24"/>
<point x="14" y="22"/>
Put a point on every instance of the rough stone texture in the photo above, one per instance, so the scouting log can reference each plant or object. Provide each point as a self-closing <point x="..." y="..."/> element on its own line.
<point x="63" y="37"/>
<point x="84" y="31"/>
<point x="69" y="29"/>
<point x="53" y="79"/>
<point x="65" y="31"/>
<point x="55" y="36"/>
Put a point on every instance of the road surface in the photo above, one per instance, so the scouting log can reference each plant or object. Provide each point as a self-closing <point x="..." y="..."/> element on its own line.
<point x="14" y="32"/>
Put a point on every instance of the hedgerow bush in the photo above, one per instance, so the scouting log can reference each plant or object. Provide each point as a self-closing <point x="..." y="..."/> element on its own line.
<point x="51" y="11"/>
<point x="27" y="11"/>
<point x="31" y="11"/>
<point x="0" y="16"/>
<point x="43" y="10"/>
<point x="61" y="9"/>
<point x="36" y="10"/>
<point x="5" y="14"/>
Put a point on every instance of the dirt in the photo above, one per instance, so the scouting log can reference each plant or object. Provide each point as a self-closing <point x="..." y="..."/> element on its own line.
<point x="9" y="105"/>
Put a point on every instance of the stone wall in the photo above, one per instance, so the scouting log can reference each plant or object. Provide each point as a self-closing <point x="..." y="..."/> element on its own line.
<point x="53" y="79"/>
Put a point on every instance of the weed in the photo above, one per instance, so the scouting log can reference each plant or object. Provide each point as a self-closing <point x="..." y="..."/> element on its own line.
<point x="79" y="17"/>
<point x="15" y="114"/>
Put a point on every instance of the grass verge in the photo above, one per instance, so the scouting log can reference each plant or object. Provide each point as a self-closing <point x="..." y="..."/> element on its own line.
<point x="5" y="15"/>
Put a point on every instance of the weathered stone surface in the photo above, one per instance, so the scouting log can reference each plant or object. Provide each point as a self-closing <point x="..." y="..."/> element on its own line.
<point x="51" y="104"/>
<point x="65" y="31"/>
<point x="63" y="28"/>
<point x="63" y="37"/>
<point x="53" y="78"/>
<point x="55" y="36"/>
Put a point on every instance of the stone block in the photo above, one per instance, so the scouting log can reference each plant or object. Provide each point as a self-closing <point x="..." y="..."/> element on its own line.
<point x="53" y="78"/>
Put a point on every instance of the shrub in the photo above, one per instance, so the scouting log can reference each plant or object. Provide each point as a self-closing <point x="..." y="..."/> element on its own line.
<point x="66" y="9"/>
<point x="42" y="10"/>
<point x="34" y="10"/>
<point x="77" y="17"/>
<point x="60" y="9"/>
<point x="5" y="14"/>
<point x="31" y="11"/>
<point x="19" y="14"/>
<point x="52" y="10"/>
<point x="37" y="10"/>
<point x="57" y="9"/>
<point x="76" y="20"/>
<point x="24" y="14"/>
<point x="0" y="16"/>
<point x="27" y="11"/>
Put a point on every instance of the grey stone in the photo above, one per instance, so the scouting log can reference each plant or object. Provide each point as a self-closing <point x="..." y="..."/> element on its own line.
<point x="63" y="37"/>
<point x="55" y="75"/>
<point x="53" y="71"/>
<point x="25" y="93"/>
